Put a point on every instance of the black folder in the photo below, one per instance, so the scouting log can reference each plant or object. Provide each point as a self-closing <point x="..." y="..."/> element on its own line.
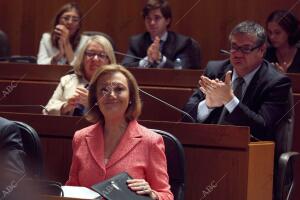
<point x="116" y="188"/>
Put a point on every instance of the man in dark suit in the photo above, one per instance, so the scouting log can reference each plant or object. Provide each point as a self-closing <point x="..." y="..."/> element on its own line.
<point x="245" y="90"/>
<point x="12" y="167"/>
<point x="159" y="47"/>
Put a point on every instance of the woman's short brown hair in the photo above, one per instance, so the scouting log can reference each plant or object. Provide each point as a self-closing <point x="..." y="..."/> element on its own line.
<point x="134" y="108"/>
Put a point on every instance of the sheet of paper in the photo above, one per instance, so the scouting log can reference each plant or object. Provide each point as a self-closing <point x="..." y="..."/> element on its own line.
<point x="79" y="192"/>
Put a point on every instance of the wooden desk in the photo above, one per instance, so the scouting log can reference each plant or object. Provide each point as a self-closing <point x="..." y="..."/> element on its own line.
<point x="220" y="161"/>
<point x="295" y="78"/>
<point x="145" y="77"/>
<point x="39" y="93"/>
<point x="296" y="145"/>
<point x="32" y="72"/>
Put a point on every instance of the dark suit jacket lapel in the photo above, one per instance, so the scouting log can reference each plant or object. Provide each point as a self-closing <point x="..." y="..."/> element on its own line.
<point x="227" y="68"/>
<point x="144" y="44"/>
<point x="129" y="140"/>
<point x="169" y="45"/>
<point x="95" y="143"/>
<point x="252" y="88"/>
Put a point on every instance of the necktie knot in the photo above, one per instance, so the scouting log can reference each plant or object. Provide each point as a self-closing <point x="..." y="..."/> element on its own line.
<point x="238" y="90"/>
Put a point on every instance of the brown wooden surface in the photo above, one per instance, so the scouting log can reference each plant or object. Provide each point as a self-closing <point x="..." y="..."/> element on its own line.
<point x="215" y="155"/>
<point x="296" y="140"/>
<point x="209" y="22"/>
<point x="25" y="93"/>
<point x="144" y="77"/>
<point x="260" y="176"/>
<point x="38" y="93"/>
<point x="167" y="77"/>
<point x="295" y="78"/>
<point x="32" y="72"/>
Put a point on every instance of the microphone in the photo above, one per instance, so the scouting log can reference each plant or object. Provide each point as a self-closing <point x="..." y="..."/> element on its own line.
<point x="24" y="106"/>
<point x="225" y="52"/>
<point x="169" y="105"/>
<point x="128" y="55"/>
<point x="146" y="65"/>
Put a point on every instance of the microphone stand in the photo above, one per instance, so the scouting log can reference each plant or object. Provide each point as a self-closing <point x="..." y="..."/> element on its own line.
<point x="22" y="106"/>
<point x="154" y="97"/>
<point x="169" y="105"/>
<point x="223" y="51"/>
<point x="127" y="55"/>
<point x="147" y="65"/>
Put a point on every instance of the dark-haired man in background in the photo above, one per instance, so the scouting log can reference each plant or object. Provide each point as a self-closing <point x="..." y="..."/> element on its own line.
<point x="159" y="47"/>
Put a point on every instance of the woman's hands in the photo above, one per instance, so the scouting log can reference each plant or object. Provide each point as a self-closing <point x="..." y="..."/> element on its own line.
<point x="153" y="52"/>
<point x="62" y="34"/>
<point x="142" y="187"/>
<point x="80" y="97"/>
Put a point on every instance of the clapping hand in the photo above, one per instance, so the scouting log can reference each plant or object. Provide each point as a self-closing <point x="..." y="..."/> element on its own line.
<point x="217" y="92"/>
<point x="153" y="52"/>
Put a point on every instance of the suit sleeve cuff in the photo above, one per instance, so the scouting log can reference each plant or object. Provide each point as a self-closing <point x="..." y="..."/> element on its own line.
<point x="203" y="111"/>
<point x="231" y="105"/>
<point x="162" y="62"/>
<point x="144" y="62"/>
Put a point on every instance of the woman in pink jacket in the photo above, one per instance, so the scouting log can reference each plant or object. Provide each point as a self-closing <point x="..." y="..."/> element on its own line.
<point x="116" y="142"/>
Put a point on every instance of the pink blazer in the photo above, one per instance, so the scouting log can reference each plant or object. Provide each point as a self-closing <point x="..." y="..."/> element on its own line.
<point x="141" y="153"/>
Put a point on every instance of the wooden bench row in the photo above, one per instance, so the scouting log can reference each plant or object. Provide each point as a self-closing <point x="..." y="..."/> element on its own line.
<point x="38" y="93"/>
<point x="145" y="77"/>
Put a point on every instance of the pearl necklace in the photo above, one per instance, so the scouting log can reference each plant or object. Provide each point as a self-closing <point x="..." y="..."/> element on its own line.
<point x="287" y="59"/>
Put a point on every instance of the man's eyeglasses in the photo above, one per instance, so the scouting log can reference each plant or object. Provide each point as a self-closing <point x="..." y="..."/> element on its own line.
<point x="92" y="54"/>
<point x="72" y="18"/>
<point x="243" y="49"/>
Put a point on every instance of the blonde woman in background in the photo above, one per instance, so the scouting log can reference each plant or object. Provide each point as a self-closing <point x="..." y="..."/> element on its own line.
<point x="70" y="96"/>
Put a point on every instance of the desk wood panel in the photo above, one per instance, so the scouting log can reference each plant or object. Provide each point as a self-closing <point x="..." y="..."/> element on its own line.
<point x="296" y="140"/>
<point x="145" y="77"/>
<point x="295" y="78"/>
<point x="25" y="93"/>
<point x="167" y="77"/>
<point x="32" y="72"/>
<point x="39" y="93"/>
<point x="260" y="178"/>
<point x="156" y="110"/>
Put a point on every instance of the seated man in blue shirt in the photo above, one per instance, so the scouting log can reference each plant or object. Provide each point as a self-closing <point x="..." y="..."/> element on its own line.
<point x="159" y="47"/>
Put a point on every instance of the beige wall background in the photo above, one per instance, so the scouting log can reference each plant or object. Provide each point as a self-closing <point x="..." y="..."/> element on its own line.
<point x="208" y="21"/>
